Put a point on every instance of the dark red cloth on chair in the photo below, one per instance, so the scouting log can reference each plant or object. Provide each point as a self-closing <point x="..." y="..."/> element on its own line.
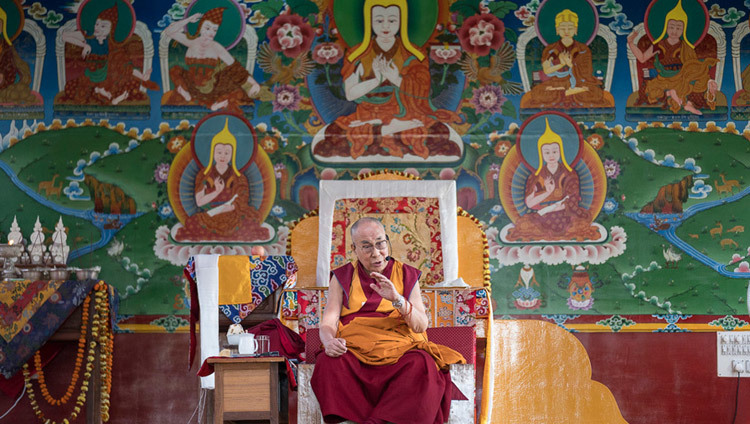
<point x="281" y="338"/>
<point x="385" y="390"/>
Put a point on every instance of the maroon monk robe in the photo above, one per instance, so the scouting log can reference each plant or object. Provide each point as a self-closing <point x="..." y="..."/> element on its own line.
<point x="413" y="390"/>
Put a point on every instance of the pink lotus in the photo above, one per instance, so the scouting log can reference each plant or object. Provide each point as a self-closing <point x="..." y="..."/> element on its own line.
<point x="290" y="35"/>
<point x="287" y="98"/>
<point x="327" y="53"/>
<point x="743" y="268"/>
<point x="488" y="98"/>
<point x="522" y="13"/>
<point x="480" y="33"/>
<point x="445" y="54"/>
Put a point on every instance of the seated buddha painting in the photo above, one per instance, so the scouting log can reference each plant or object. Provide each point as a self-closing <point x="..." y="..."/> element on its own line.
<point x="552" y="184"/>
<point x="676" y="64"/>
<point x="389" y="114"/>
<point x="567" y="62"/>
<point x="221" y="186"/>
<point x="207" y="61"/>
<point x="18" y="99"/>
<point x="105" y="69"/>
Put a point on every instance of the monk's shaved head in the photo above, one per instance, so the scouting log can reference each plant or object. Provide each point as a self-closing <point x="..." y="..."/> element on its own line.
<point x="362" y="221"/>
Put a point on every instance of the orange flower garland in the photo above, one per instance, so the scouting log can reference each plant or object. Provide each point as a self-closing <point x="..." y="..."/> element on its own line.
<point x="79" y="359"/>
<point x="102" y="336"/>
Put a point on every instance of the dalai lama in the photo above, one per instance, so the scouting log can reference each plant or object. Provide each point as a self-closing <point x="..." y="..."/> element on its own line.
<point x="377" y="365"/>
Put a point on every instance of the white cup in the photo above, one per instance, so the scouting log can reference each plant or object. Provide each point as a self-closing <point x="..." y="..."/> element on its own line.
<point x="248" y="345"/>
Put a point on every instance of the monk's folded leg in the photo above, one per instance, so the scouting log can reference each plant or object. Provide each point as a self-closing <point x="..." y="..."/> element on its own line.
<point x="414" y="392"/>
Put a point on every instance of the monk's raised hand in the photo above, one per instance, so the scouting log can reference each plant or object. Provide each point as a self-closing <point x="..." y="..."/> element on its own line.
<point x="335" y="347"/>
<point x="549" y="185"/>
<point x="219" y="183"/>
<point x="384" y="287"/>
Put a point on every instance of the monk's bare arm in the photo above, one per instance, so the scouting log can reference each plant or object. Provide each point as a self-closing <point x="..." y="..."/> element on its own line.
<point x="417" y="319"/>
<point x="330" y="323"/>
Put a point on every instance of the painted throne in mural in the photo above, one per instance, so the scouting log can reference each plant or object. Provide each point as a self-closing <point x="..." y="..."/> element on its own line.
<point x="741" y="71"/>
<point x="676" y="60"/>
<point x="104" y="63"/>
<point x="425" y="232"/>
<point x="21" y="64"/>
<point x="196" y="83"/>
<point x="566" y="62"/>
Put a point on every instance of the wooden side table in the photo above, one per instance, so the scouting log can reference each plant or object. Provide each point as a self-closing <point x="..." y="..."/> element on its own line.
<point x="247" y="388"/>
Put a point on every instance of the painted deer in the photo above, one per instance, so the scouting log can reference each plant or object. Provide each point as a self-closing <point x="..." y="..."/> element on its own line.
<point x="47" y="185"/>
<point x="56" y="190"/>
<point x="722" y="188"/>
<point x="730" y="183"/>
<point x="716" y="231"/>
<point x="737" y="229"/>
<point x="728" y="242"/>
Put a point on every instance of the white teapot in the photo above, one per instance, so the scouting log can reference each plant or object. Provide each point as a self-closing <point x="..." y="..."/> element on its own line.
<point x="248" y="345"/>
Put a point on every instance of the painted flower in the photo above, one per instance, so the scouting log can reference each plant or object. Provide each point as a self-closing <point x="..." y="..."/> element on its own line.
<point x="414" y="255"/>
<point x="480" y="33"/>
<point x="502" y="148"/>
<point x="447" y="174"/>
<point x="522" y="13"/>
<point x="161" y="173"/>
<point x="269" y="144"/>
<point x="327" y="53"/>
<point x="488" y="98"/>
<point x="290" y="35"/>
<point x="445" y="54"/>
<point x="278" y="168"/>
<point x="492" y="137"/>
<point x="328" y="174"/>
<point x="176" y="143"/>
<point x="278" y="211"/>
<point x="258" y="19"/>
<point x="495" y="171"/>
<point x="287" y="98"/>
<point x="596" y="141"/>
<point x="611" y="168"/>
<point x="496" y="210"/>
<point x="262" y="127"/>
<point x="165" y="211"/>
<point x="610" y="205"/>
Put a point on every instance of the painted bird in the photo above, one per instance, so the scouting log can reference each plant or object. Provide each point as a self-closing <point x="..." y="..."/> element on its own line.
<point x="500" y="62"/>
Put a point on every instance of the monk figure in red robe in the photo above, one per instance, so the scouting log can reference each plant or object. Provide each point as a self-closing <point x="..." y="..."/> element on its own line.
<point x="377" y="365"/>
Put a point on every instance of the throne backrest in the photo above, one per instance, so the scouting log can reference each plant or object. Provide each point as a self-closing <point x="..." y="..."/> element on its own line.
<point x="461" y="238"/>
<point x="529" y="55"/>
<point x="739" y="34"/>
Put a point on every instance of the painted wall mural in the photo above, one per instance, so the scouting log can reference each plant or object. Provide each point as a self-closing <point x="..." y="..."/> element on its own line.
<point x="603" y="144"/>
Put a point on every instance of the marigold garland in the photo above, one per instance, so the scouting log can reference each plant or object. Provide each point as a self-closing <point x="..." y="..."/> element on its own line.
<point x="76" y="371"/>
<point x="101" y="336"/>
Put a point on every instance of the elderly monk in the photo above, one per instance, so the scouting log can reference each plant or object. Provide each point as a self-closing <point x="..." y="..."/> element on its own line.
<point x="377" y="365"/>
